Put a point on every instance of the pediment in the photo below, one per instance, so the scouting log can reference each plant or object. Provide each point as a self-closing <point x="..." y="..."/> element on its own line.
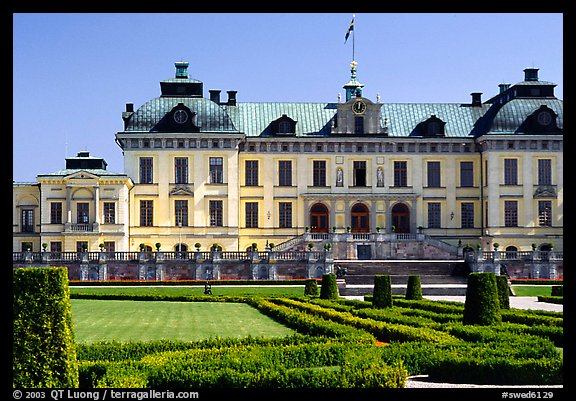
<point x="181" y="190"/>
<point x="81" y="175"/>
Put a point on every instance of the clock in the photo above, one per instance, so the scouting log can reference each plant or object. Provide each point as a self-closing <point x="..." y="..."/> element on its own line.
<point x="180" y="116"/>
<point x="359" y="107"/>
<point x="544" y="118"/>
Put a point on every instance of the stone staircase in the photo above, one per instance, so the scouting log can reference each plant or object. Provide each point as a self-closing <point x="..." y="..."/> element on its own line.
<point x="437" y="277"/>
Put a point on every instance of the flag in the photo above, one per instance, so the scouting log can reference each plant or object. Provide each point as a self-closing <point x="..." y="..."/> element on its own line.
<point x="350" y="29"/>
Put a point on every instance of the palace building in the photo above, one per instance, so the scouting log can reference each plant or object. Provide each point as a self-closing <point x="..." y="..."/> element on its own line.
<point x="201" y="169"/>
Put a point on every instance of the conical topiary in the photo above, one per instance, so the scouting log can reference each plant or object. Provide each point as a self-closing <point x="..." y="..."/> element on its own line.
<point x="311" y="288"/>
<point x="414" y="288"/>
<point x="382" y="297"/>
<point x="503" y="292"/>
<point x="329" y="288"/>
<point x="482" y="306"/>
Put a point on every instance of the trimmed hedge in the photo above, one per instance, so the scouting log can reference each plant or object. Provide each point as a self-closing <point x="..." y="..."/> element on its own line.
<point x="311" y="288"/>
<point x="551" y="299"/>
<point x="414" y="288"/>
<point x="43" y="348"/>
<point x="482" y="305"/>
<point x="503" y="292"/>
<point x="329" y="288"/>
<point x="557" y="291"/>
<point x="382" y="296"/>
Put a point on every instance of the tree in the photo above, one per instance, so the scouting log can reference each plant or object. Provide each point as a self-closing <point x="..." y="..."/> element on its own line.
<point x="414" y="288"/>
<point x="382" y="296"/>
<point x="482" y="306"/>
<point x="311" y="288"/>
<point x="329" y="289"/>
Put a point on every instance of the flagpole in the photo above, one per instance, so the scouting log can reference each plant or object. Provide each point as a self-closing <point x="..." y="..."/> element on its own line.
<point x="353" y="35"/>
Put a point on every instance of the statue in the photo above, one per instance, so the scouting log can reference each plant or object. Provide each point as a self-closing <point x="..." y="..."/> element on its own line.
<point x="207" y="288"/>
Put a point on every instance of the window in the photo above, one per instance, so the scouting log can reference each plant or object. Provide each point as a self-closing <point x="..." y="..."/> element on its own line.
<point x="545" y="213"/>
<point x="467" y="214"/>
<point x="109" y="212"/>
<point x="251" y="173"/>
<point x="27" y="221"/>
<point x="109" y="246"/>
<point x="284" y="127"/>
<point x="81" y="246"/>
<point x="544" y="172"/>
<point x="358" y="125"/>
<point x="434" y="215"/>
<point x="181" y="170"/>
<point x="434" y="174"/>
<point x="146" y="209"/>
<point x="319" y="173"/>
<point x="400" y="174"/>
<point x="510" y="213"/>
<point x="82" y="213"/>
<point x="251" y="214"/>
<point x="285" y="173"/>
<point x="466" y="174"/>
<point x="216" y="170"/>
<point x="216" y="212"/>
<point x="181" y="212"/>
<point x="359" y="173"/>
<point x="285" y="214"/>
<point x="55" y="247"/>
<point x="56" y="213"/>
<point x="145" y="170"/>
<point x="510" y="172"/>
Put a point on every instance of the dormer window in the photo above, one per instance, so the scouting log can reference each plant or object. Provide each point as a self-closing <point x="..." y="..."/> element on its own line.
<point x="541" y="121"/>
<point x="282" y="126"/>
<point x="430" y="128"/>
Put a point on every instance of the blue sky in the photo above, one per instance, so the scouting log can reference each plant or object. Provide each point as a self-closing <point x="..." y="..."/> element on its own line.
<point x="73" y="73"/>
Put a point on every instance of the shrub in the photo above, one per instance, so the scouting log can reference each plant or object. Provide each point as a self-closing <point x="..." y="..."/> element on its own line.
<point x="414" y="288"/>
<point x="43" y="348"/>
<point x="482" y="306"/>
<point x="382" y="297"/>
<point x="311" y="288"/>
<point x="329" y="288"/>
<point x="503" y="292"/>
<point x="557" y="291"/>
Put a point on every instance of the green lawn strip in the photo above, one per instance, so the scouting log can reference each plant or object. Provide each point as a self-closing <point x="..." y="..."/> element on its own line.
<point x="107" y="320"/>
<point x="264" y="291"/>
<point x="532" y="290"/>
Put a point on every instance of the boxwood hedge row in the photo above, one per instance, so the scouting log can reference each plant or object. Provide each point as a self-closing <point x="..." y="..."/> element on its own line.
<point x="43" y="347"/>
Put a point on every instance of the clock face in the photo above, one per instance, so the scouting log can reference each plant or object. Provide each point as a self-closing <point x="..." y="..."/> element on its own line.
<point x="180" y="116"/>
<point x="544" y="118"/>
<point x="359" y="107"/>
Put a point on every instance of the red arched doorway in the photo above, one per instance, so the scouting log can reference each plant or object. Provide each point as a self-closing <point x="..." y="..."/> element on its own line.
<point x="319" y="218"/>
<point x="401" y="218"/>
<point x="360" y="218"/>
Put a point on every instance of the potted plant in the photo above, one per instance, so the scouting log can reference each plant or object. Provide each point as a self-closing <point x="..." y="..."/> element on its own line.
<point x="101" y="246"/>
<point x="197" y="246"/>
<point x="393" y="228"/>
<point x="348" y="229"/>
<point x="420" y="228"/>
<point x="534" y="246"/>
<point x="254" y="247"/>
<point x="44" y="246"/>
<point x="327" y="247"/>
<point x="310" y="246"/>
<point x="378" y="228"/>
<point x="307" y="229"/>
<point x="496" y="245"/>
<point x="142" y="247"/>
<point x="271" y="245"/>
<point x="333" y="229"/>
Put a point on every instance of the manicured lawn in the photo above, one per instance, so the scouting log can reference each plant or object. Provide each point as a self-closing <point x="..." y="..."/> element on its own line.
<point x="264" y="291"/>
<point x="96" y="320"/>
<point x="532" y="290"/>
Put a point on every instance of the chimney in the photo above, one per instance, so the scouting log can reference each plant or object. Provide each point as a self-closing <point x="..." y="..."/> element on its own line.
<point x="531" y="74"/>
<point x="232" y="98"/>
<point x="128" y="113"/>
<point x="215" y="95"/>
<point x="476" y="99"/>
<point x="129" y="107"/>
<point x="504" y="87"/>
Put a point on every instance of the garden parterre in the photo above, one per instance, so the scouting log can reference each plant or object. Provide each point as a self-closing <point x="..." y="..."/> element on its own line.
<point x="339" y="344"/>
